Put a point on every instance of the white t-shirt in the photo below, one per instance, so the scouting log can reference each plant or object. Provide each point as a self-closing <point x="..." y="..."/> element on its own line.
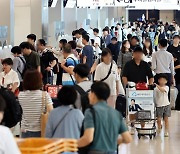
<point x="97" y="40"/>
<point x="119" y="38"/>
<point x="161" y="98"/>
<point x="7" y="142"/>
<point x="6" y="80"/>
<point x="102" y="71"/>
<point x="79" y="42"/>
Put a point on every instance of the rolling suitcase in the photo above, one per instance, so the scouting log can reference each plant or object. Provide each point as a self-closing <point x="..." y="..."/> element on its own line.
<point x="121" y="105"/>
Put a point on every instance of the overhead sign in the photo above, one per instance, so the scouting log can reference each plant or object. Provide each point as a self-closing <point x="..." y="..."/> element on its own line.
<point x="132" y="4"/>
<point x="93" y="3"/>
<point x="148" y="4"/>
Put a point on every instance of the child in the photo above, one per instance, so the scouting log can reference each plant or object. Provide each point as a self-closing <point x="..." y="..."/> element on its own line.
<point x="7" y="142"/>
<point x="163" y="109"/>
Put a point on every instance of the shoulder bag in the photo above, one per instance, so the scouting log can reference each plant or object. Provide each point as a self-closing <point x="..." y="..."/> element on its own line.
<point x="108" y="73"/>
<point x="61" y="121"/>
<point x="70" y="74"/>
<point x="44" y="114"/>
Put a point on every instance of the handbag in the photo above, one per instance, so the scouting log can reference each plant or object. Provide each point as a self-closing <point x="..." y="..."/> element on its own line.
<point x="44" y="115"/>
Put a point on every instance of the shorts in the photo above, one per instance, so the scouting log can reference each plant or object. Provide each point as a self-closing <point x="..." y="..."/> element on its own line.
<point x="164" y="111"/>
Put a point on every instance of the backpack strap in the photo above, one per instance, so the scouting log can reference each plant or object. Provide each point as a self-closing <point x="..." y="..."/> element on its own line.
<point x="21" y="73"/>
<point x="80" y="90"/>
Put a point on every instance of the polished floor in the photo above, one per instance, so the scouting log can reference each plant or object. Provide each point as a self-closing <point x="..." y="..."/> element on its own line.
<point x="158" y="145"/>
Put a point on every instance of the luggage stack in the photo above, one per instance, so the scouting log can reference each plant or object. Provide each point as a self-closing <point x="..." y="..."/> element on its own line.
<point x="47" y="146"/>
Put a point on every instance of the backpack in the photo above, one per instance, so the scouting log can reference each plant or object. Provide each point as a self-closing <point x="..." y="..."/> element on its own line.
<point x="121" y="105"/>
<point x="84" y="98"/>
<point x="56" y="67"/>
<point x="85" y="150"/>
<point x="102" y="43"/>
<point x="25" y="68"/>
<point x="13" y="111"/>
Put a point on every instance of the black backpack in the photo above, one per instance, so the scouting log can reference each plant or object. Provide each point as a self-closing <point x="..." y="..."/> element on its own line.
<point x="25" y="68"/>
<point x="102" y="43"/>
<point x="13" y="111"/>
<point x="84" y="98"/>
<point x="121" y="105"/>
<point x="86" y="149"/>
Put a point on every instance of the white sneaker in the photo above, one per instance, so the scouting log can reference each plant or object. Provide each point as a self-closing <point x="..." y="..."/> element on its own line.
<point x="159" y="131"/>
<point x="166" y="134"/>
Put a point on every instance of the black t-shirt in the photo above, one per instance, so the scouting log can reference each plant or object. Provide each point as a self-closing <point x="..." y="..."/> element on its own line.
<point x="46" y="58"/>
<point x="174" y="50"/>
<point x="137" y="73"/>
<point x="32" y="60"/>
<point x="177" y="75"/>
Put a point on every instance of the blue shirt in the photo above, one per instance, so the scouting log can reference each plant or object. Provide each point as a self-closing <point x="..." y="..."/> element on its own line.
<point x="71" y="61"/>
<point x="71" y="125"/>
<point x="89" y="53"/>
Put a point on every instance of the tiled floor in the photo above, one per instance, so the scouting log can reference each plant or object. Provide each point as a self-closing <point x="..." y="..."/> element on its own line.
<point x="159" y="145"/>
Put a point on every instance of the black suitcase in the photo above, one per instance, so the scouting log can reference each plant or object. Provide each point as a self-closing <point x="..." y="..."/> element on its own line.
<point x="121" y="105"/>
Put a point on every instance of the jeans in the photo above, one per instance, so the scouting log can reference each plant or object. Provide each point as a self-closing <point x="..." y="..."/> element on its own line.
<point x="29" y="134"/>
<point x="98" y="152"/>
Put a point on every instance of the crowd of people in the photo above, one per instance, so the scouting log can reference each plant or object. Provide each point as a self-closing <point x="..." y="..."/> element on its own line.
<point x="92" y="70"/>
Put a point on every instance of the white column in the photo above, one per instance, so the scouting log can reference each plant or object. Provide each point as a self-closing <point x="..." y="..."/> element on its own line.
<point x="7" y="18"/>
<point x="127" y="16"/>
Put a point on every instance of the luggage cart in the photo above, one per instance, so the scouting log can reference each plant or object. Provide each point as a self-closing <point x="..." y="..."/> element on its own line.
<point x="141" y="111"/>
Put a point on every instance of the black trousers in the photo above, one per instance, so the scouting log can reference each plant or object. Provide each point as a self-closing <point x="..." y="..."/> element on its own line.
<point x="59" y="76"/>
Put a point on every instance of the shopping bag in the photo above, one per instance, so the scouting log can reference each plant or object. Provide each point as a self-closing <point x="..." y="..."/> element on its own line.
<point x="44" y="115"/>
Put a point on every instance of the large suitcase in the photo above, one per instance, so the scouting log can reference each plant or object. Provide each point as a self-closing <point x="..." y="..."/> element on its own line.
<point x="121" y="104"/>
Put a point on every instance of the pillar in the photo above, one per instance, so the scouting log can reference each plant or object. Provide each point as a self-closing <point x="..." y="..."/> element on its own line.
<point x="7" y="18"/>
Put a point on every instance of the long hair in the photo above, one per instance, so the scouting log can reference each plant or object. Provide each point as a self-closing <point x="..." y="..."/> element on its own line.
<point x="123" y="48"/>
<point x="150" y="48"/>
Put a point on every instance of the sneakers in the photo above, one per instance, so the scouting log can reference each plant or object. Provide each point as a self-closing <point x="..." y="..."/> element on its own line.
<point x="132" y="131"/>
<point x="159" y="131"/>
<point x="166" y="134"/>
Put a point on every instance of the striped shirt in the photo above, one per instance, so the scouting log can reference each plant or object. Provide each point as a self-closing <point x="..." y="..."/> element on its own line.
<point x="71" y="62"/>
<point x="31" y="103"/>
